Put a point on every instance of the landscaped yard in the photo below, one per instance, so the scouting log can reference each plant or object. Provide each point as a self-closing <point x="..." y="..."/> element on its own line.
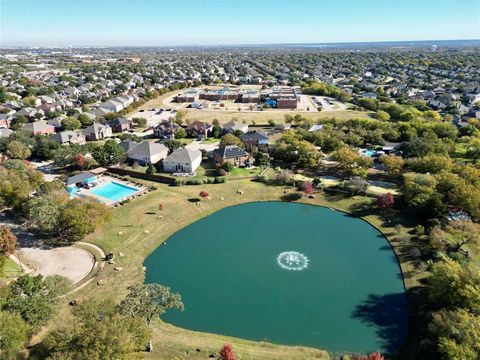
<point x="143" y="227"/>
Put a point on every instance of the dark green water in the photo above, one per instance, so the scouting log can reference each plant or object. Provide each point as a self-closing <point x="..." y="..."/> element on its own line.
<point x="349" y="298"/>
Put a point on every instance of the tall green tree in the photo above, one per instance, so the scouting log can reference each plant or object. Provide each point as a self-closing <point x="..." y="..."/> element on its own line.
<point x="108" y="154"/>
<point x="13" y="335"/>
<point x="35" y="298"/>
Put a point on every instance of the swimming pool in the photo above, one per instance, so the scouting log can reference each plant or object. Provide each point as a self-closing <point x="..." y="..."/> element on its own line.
<point x="113" y="191"/>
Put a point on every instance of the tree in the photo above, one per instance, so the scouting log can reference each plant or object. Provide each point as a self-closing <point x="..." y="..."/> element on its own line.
<point x="172" y="145"/>
<point x="13" y="335"/>
<point x="151" y="169"/>
<point x="85" y="120"/>
<point x="385" y="201"/>
<point x="29" y="101"/>
<point x="8" y="244"/>
<point x="204" y="194"/>
<point x="227" y="166"/>
<point x="261" y="158"/>
<point x="35" y="298"/>
<point x="430" y="164"/>
<point x="180" y="133"/>
<point x="70" y="123"/>
<point x="98" y="332"/>
<point x="382" y="115"/>
<point x="456" y="334"/>
<point x="139" y="121"/>
<point x="347" y="159"/>
<point x="431" y="115"/>
<point x="80" y="217"/>
<point x="393" y="164"/>
<point x="17" y="182"/>
<point x="108" y="154"/>
<point x="464" y="233"/>
<point x="307" y="187"/>
<point x="226" y="353"/>
<point x="80" y="161"/>
<point x="356" y="185"/>
<point x="18" y="150"/>
<point x="452" y="285"/>
<point x="180" y="116"/>
<point x="148" y="301"/>
<point x="44" y="211"/>
<point x="230" y="139"/>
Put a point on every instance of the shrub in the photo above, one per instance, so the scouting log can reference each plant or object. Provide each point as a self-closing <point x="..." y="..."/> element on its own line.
<point x="220" y="180"/>
<point x="227" y="167"/>
<point x="210" y="180"/>
<point x="194" y="182"/>
<point x="307" y="187"/>
<point x="203" y="194"/>
<point x="221" y="172"/>
<point x="178" y="182"/>
<point x="291" y="197"/>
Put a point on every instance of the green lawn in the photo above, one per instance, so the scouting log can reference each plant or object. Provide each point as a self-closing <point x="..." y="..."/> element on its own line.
<point x="244" y="172"/>
<point x="144" y="228"/>
<point x="11" y="270"/>
<point x="210" y="141"/>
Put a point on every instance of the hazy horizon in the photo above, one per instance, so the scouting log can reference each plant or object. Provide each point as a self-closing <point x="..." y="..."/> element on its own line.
<point x="108" y="23"/>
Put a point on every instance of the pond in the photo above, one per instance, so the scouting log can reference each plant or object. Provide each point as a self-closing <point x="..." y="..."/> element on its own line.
<point x="286" y="273"/>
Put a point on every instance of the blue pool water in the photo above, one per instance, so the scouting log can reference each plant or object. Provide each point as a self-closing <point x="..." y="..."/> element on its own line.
<point x="370" y="153"/>
<point x="113" y="191"/>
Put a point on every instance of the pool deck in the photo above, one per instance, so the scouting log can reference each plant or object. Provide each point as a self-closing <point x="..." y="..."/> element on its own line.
<point x="104" y="179"/>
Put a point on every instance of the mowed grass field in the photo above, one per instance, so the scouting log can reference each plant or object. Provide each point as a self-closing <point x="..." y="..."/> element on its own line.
<point x="257" y="117"/>
<point x="139" y="227"/>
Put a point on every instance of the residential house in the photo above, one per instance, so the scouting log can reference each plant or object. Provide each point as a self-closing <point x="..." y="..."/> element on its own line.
<point x="199" y="129"/>
<point x="128" y="145"/>
<point x="166" y="130"/>
<point x="121" y="124"/>
<point x="148" y="153"/>
<point x="183" y="160"/>
<point x="4" y="132"/>
<point x="255" y="141"/>
<point x="112" y="105"/>
<point x="70" y="138"/>
<point x="233" y="126"/>
<point x="38" y="128"/>
<point x="56" y="122"/>
<point x="231" y="154"/>
<point x="97" y="131"/>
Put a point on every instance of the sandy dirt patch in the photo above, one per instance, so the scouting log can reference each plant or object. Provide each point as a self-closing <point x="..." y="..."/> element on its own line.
<point x="72" y="262"/>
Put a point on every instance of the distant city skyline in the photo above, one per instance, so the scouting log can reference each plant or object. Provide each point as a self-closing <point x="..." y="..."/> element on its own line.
<point x="228" y="22"/>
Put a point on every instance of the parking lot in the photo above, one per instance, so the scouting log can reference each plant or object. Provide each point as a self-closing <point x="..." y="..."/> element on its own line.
<point x="155" y="116"/>
<point x="328" y="104"/>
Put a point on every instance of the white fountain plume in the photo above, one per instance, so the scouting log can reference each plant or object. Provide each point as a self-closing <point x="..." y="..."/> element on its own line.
<point x="292" y="260"/>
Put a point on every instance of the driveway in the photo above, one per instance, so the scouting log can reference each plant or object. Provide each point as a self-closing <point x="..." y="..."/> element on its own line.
<point x="71" y="262"/>
<point x="208" y="147"/>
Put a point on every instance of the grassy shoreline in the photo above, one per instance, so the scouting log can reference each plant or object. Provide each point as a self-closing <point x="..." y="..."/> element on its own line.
<point x="145" y="227"/>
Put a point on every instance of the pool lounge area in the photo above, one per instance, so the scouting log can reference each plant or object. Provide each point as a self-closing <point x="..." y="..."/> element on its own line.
<point x="107" y="189"/>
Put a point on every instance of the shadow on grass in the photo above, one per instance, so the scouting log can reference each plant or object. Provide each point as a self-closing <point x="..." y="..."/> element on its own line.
<point x="194" y="200"/>
<point x="389" y="315"/>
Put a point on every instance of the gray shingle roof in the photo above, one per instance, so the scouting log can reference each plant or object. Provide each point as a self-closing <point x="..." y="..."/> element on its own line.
<point x="183" y="155"/>
<point x="147" y="149"/>
<point x="231" y="151"/>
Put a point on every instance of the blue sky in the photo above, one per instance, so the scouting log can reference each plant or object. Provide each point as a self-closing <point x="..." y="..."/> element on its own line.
<point x="212" y="22"/>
